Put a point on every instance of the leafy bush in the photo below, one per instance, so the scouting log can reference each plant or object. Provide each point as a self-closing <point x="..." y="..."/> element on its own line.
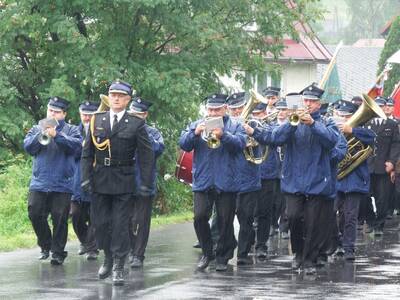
<point x="14" y="182"/>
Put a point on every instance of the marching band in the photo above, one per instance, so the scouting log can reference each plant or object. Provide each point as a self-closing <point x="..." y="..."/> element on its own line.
<point x="280" y="164"/>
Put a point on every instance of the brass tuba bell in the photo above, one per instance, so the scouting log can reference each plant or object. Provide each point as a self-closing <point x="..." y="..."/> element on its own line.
<point x="253" y="152"/>
<point x="104" y="103"/>
<point x="357" y="152"/>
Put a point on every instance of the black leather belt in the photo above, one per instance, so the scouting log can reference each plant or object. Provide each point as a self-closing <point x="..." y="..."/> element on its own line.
<point x="108" y="162"/>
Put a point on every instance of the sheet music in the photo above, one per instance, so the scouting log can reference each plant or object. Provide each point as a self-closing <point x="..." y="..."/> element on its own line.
<point x="213" y="123"/>
<point x="294" y="102"/>
<point x="48" y="122"/>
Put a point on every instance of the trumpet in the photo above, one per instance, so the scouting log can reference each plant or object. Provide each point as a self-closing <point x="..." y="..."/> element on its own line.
<point x="44" y="138"/>
<point x="295" y="117"/>
<point x="213" y="142"/>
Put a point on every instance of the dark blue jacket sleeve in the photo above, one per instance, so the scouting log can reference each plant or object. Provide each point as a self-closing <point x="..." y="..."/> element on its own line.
<point x="365" y="135"/>
<point x="281" y="134"/>
<point x="157" y="142"/>
<point x="188" y="138"/>
<point x="234" y="142"/>
<point x="339" y="152"/>
<point x="71" y="142"/>
<point x="31" y="143"/>
<point x="327" y="133"/>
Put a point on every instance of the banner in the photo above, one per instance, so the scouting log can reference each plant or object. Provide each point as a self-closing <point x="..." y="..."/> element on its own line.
<point x="332" y="87"/>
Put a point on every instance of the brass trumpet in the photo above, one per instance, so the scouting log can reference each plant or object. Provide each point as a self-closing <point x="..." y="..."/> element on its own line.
<point x="295" y="117"/>
<point x="213" y="142"/>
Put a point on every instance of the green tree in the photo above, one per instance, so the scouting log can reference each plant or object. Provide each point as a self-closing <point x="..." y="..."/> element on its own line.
<point x="367" y="17"/>
<point x="170" y="50"/>
<point x="391" y="46"/>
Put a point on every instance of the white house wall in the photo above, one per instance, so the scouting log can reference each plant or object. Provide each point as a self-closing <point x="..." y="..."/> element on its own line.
<point x="297" y="76"/>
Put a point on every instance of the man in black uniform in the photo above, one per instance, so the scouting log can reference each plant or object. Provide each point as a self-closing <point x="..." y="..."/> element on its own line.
<point x="108" y="170"/>
<point x="382" y="164"/>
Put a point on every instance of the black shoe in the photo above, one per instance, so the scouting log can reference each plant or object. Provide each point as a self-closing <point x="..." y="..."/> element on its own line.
<point x="221" y="267"/>
<point x="310" y="271"/>
<point x="44" y="254"/>
<point x="118" y="272"/>
<point x="197" y="245"/>
<point x="261" y="253"/>
<point x="92" y="255"/>
<point x="241" y="261"/>
<point x="272" y="231"/>
<point x="285" y="235"/>
<point x="57" y="259"/>
<point x="296" y="262"/>
<point x="349" y="255"/>
<point x="369" y="229"/>
<point x="321" y="261"/>
<point x="339" y="252"/>
<point x="106" y="268"/>
<point x="82" y="249"/>
<point x="204" y="262"/>
<point x="136" y="262"/>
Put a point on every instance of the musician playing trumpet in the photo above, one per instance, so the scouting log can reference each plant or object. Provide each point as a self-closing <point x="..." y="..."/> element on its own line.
<point x="214" y="181"/>
<point x="51" y="184"/>
<point x="306" y="177"/>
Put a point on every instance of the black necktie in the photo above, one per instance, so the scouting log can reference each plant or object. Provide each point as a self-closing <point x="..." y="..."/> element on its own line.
<point x="115" y="122"/>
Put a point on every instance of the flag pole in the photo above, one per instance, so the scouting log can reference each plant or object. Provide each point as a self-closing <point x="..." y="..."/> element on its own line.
<point x="328" y="70"/>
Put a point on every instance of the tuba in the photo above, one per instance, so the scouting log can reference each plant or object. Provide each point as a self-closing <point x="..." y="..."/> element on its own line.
<point x="357" y="152"/>
<point x="250" y="152"/>
<point x="104" y="103"/>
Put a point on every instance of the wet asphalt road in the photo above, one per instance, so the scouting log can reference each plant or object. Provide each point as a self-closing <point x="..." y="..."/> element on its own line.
<point x="169" y="273"/>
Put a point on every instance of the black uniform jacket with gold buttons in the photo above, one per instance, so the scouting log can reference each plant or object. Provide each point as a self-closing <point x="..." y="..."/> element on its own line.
<point x="115" y="174"/>
<point x="387" y="145"/>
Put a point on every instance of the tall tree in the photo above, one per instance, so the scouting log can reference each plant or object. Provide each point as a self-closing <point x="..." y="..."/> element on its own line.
<point x="367" y="18"/>
<point x="170" y="50"/>
<point x="392" y="45"/>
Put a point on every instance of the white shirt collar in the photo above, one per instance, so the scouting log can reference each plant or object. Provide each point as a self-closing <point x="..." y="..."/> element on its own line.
<point x="119" y="116"/>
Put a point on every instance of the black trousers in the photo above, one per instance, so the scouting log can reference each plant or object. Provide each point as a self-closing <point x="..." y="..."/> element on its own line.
<point x="381" y="189"/>
<point x="309" y="223"/>
<point x="348" y="205"/>
<point x="263" y="212"/>
<point x="366" y="211"/>
<point x="110" y="215"/>
<point x="225" y="204"/>
<point x="40" y="205"/>
<point x="140" y="225"/>
<point x="283" y="220"/>
<point x="277" y="202"/>
<point x="83" y="227"/>
<point x="245" y="213"/>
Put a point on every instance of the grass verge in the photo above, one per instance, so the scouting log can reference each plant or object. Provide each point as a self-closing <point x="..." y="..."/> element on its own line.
<point x="28" y="239"/>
